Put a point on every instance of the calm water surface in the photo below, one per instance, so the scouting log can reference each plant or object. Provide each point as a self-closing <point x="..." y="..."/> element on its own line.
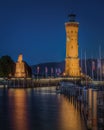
<point x="38" y="109"/>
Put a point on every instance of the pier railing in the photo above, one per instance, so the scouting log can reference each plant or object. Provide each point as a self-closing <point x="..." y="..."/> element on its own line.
<point x="33" y="82"/>
<point x="90" y="102"/>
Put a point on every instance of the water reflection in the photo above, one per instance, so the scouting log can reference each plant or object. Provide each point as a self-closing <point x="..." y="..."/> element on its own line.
<point x="38" y="109"/>
<point x="18" y="109"/>
<point x="70" y="118"/>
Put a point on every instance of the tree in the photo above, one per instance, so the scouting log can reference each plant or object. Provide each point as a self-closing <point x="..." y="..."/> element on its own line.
<point x="6" y="66"/>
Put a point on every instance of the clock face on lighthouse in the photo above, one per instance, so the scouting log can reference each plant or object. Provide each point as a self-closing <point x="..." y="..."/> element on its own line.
<point x="68" y="39"/>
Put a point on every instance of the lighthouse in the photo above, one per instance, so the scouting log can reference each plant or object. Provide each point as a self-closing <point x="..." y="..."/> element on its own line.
<point x="72" y="67"/>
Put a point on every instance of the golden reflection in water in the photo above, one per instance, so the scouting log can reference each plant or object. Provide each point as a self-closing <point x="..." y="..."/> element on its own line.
<point x="69" y="116"/>
<point x="18" y="106"/>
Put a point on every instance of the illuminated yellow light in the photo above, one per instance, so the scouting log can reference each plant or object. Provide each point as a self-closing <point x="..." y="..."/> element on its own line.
<point x="20" y="68"/>
<point x="72" y="67"/>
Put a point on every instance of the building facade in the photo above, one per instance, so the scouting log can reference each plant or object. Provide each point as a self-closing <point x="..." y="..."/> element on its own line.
<point x="72" y="67"/>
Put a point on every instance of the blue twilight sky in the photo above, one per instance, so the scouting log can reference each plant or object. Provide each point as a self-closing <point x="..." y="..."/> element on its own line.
<point x="36" y="28"/>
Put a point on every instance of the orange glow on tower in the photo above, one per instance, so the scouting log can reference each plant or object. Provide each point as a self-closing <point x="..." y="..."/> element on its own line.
<point x="72" y="67"/>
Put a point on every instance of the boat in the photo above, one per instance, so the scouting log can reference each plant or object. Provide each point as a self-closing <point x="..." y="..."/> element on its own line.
<point x="64" y="85"/>
<point x="58" y="90"/>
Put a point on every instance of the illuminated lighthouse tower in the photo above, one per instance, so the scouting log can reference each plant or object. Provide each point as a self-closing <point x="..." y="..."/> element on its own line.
<point x="72" y="67"/>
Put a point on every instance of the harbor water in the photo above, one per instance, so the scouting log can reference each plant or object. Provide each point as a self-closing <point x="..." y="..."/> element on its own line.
<point x="39" y="108"/>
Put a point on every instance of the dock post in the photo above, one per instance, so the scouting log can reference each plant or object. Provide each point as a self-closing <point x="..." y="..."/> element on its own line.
<point x="89" y="123"/>
<point x="94" y="110"/>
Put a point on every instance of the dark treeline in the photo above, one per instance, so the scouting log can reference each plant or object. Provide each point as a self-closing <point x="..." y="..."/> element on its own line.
<point x="7" y="66"/>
